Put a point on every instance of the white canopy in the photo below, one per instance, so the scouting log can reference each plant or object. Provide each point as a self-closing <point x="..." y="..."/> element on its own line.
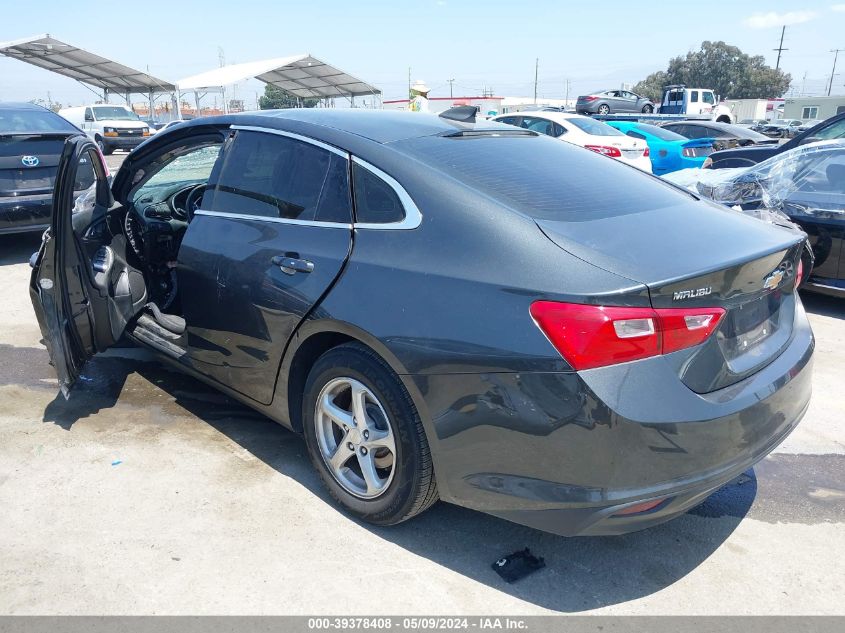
<point x="86" y="67"/>
<point x="300" y="75"/>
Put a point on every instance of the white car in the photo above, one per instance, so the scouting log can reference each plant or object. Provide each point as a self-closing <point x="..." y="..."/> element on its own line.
<point x="585" y="132"/>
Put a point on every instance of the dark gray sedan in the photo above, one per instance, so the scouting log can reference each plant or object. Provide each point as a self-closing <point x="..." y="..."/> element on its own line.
<point x="469" y="312"/>
<point x="611" y="101"/>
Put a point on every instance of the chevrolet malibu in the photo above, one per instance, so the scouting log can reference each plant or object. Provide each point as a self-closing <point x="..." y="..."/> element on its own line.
<point x="469" y="312"/>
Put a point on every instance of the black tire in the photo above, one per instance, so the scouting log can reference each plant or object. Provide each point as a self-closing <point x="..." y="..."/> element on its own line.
<point x="603" y="109"/>
<point x="105" y="149"/>
<point x="648" y="108"/>
<point x="413" y="488"/>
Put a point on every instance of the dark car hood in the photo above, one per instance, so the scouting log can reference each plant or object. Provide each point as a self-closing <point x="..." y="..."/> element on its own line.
<point x="671" y="243"/>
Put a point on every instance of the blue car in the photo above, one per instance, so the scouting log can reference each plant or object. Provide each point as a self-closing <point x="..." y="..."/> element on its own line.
<point x="668" y="151"/>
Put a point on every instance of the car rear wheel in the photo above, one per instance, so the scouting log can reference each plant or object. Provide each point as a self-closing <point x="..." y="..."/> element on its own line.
<point x="648" y="108"/>
<point x="105" y="149"/>
<point x="603" y="109"/>
<point x="365" y="437"/>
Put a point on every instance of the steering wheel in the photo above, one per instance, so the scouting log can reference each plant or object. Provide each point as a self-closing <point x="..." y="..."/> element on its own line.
<point x="192" y="202"/>
<point x="134" y="231"/>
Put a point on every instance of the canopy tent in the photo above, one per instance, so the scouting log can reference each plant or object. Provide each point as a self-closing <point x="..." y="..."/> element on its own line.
<point x="303" y="76"/>
<point x="86" y="67"/>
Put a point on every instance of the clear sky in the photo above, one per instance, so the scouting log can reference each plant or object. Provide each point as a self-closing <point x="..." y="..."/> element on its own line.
<point x="478" y="44"/>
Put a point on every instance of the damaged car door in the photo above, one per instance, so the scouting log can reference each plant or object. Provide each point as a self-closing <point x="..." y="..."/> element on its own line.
<point x="83" y="290"/>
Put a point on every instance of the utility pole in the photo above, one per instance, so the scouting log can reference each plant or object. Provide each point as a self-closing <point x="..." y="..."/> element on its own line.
<point x="409" y="85"/>
<point x="780" y="48"/>
<point x="451" y="81"/>
<point x="566" y="100"/>
<point x="536" y="69"/>
<point x="835" y="52"/>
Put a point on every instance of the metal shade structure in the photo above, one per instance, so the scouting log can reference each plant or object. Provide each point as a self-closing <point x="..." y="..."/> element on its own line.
<point x="303" y="76"/>
<point x="86" y="67"/>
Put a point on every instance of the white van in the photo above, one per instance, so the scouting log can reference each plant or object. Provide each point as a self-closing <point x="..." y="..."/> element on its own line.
<point x="111" y="126"/>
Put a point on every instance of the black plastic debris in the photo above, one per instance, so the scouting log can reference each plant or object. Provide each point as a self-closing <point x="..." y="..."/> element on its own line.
<point x="517" y="565"/>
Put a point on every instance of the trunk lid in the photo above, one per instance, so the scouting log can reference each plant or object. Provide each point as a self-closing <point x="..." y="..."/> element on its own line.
<point x="28" y="163"/>
<point x="701" y="255"/>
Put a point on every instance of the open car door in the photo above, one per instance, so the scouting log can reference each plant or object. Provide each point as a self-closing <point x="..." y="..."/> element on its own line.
<point x="81" y="286"/>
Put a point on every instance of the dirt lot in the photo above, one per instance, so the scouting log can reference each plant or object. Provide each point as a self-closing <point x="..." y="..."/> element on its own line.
<point x="149" y="493"/>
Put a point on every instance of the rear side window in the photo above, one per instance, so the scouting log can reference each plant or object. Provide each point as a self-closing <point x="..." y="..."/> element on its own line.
<point x="693" y="96"/>
<point x="541" y="126"/>
<point x="375" y="201"/>
<point x="275" y="176"/>
<point x="544" y="178"/>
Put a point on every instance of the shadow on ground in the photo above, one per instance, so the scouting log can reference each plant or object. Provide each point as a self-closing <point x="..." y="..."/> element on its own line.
<point x="823" y="305"/>
<point x="18" y="247"/>
<point x="581" y="573"/>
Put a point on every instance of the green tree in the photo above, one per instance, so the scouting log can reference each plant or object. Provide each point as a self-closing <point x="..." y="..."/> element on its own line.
<point x="274" y="98"/>
<point x="652" y="86"/>
<point x="725" y="69"/>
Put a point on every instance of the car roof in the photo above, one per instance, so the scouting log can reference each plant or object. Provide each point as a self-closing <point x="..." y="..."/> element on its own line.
<point x="23" y="105"/>
<point x="381" y="126"/>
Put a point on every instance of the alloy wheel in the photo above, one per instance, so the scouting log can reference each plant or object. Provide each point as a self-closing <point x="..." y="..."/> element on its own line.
<point x="355" y="438"/>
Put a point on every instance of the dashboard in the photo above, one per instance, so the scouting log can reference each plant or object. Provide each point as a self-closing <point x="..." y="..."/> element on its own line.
<point x="158" y="218"/>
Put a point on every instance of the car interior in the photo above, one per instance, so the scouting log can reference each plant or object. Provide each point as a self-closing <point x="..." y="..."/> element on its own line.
<point x="132" y="249"/>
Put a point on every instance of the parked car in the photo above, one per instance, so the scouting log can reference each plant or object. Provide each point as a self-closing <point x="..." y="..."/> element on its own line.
<point x="31" y="140"/>
<point x="111" y="127"/>
<point x="806" y="125"/>
<point x="726" y="134"/>
<point x="806" y="185"/>
<point x="465" y="311"/>
<point x="751" y="123"/>
<point x="584" y="132"/>
<point x="779" y="128"/>
<point x="612" y="101"/>
<point x="832" y="128"/>
<point x="668" y="151"/>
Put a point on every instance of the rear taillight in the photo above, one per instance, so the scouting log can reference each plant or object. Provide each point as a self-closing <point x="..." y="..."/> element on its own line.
<point x="799" y="274"/>
<point x="646" y="152"/>
<point x="587" y="98"/>
<point x="613" y="152"/>
<point x="589" y="336"/>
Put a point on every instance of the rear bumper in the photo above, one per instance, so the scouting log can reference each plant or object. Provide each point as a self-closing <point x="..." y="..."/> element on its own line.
<point x="565" y="452"/>
<point x="22" y="214"/>
<point x="642" y="163"/>
<point x="587" y="108"/>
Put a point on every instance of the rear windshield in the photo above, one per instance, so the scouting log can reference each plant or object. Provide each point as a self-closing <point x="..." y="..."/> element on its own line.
<point x="596" y="128"/>
<point x="545" y="178"/>
<point x="659" y="132"/>
<point x="14" y="121"/>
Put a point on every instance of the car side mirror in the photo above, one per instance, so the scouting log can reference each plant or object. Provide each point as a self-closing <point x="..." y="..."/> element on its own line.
<point x="89" y="117"/>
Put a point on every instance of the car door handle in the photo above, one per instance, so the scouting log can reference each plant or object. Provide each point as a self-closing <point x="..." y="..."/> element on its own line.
<point x="292" y="265"/>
